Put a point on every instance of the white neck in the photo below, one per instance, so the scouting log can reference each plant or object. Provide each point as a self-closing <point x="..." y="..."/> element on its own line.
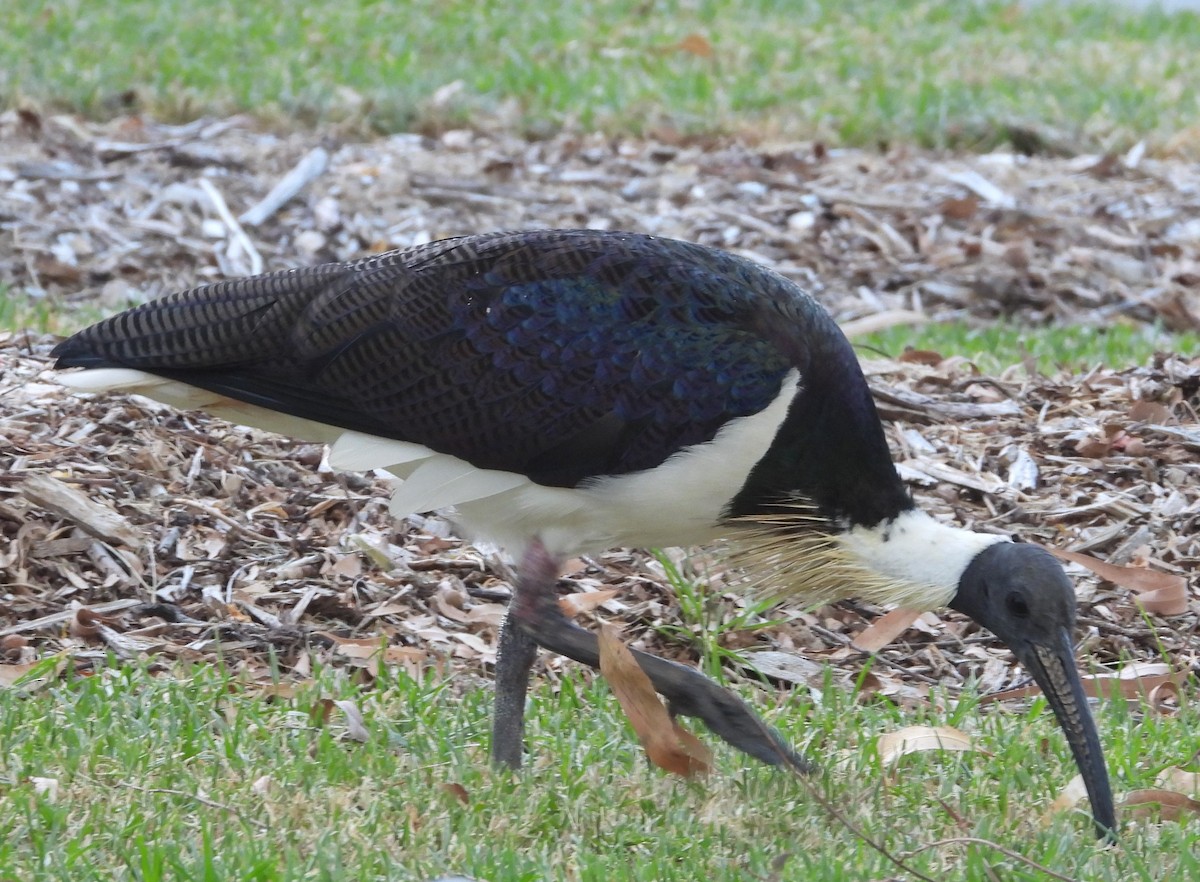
<point x="928" y="558"/>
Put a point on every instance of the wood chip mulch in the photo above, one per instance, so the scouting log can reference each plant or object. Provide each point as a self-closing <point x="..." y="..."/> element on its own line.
<point x="129" y="528"/>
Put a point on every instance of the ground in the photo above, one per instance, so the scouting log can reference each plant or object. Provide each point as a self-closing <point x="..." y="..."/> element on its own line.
<point x="133" y="529"/>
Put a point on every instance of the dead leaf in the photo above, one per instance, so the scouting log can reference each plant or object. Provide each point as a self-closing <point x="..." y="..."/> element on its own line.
<point x="581" y="602"/>
<point x="1175" y="778"/>
<point x="319" y="713"/>
<point x="13" y="643"/>
<point x="34" y="675"/>
<point x="920" y="356"/>
<point x="348" y="566"/>
<point x="355" y="647"/>
<point x="1154" y="412"/>
<point x="1164" y="594"/>
<point x="1166" y="804"/>
<point x="47" y="787"/>
<point x="1134" y="681"/>
<point x="85" y="624"/>
<point x="695" y="44"/>
<point x="959" y="209"/>
<point x="667" y="744"/>
<point x="1070" y="796"/>
<point x="457" y="791"/>
<point x="913" y="739"/>
<point x="272" y="691"/>
<point x="1164" y="698"/>
<point x="885" y="629"/>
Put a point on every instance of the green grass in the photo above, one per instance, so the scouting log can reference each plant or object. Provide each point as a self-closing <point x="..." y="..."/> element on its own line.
<point x="43" y="315"/>
<point x="708" y="622"/>
<point x="996" y="347"/>
<point x="938" y="73"/>
<point x="192" y="775"/>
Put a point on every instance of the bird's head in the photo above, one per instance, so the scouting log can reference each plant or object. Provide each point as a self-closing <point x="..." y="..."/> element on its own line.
<point x="1020" y="593"/>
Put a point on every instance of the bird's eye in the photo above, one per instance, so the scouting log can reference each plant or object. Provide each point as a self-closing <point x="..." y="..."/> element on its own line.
<point x="1016" y="605"/>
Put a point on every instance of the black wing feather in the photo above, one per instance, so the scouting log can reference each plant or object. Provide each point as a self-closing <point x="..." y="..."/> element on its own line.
<point x="558" y="354"/>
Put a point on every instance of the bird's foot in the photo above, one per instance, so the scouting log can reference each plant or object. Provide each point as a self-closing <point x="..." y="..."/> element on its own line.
<point x="536" y="612"/>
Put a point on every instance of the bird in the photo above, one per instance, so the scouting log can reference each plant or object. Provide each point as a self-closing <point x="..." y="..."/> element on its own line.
<point x="563" y="391"/>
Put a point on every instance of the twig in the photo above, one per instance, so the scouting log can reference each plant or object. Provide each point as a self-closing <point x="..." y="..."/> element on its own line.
<point x="836" y="813"/>
<point x="224" y="518"/>
<point x="312" y="166"/>
<point x="235" y="229"/>
<point x="204" y="800"/>
<point x="1007" y="852"/>
<point x="55" y="618"/>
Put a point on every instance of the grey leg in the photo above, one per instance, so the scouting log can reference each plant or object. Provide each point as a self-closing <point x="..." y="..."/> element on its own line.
<point x="514" y="658"/>
<point x="534" y="611"/>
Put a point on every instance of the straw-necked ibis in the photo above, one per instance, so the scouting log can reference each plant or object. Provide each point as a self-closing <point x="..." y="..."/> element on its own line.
<point x="565" y="391"/>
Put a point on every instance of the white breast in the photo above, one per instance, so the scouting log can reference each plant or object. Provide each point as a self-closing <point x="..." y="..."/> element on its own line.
<point x="679" y="502"/>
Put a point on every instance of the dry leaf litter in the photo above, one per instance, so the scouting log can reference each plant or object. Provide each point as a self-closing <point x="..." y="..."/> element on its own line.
<point x="129" y="528"/>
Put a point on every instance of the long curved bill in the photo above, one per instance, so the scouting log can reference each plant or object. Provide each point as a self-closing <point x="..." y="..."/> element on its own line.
<point x="1053" y="667"/>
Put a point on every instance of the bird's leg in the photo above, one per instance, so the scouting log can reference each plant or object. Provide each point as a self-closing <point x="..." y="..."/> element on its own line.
<point x="514" y="659"/>
<point x="535" y="611"/>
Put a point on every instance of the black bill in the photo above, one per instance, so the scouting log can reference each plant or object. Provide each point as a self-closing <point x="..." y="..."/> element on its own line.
<point x="1053" y="667"/>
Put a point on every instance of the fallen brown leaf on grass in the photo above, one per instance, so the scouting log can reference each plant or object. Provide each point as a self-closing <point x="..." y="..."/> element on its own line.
<point x="667" y="744"/>
<point x="1164" y="594"/>
<point x="34" y="675"/>
<point x="1166" y="804"/>
<point x="914" y="739"/>
<point x="693" y="44"/>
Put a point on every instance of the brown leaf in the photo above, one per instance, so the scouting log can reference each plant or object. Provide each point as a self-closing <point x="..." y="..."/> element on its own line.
<point x="885" y="629"/>
<point x="1093" y="448"/>
<point x="695" y="44"/>
<point x="457" y="791"/>
<point x="85" y="624"/>
<point x="959" y="209"/>
<point x="355" y="647"/>
<point x="584" y="601"/>
<point x="1166" y="804"/>
<point x="668" y="745"/>
<point x="318" y="714"/>
<point x="1154" y="412"/>
<point x="1164" y="698"/>
<point x="22" y="676"/>
<point x="1138" y="680"/>
<point x="1175" y="778"/>
<point x="920" y="356"/>
<point x="1164" y="594"/>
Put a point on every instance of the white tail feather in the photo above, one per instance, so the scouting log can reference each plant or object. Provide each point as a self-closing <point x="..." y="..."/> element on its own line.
<point x="359" y="452"/>
<point x="444" y="481"/>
